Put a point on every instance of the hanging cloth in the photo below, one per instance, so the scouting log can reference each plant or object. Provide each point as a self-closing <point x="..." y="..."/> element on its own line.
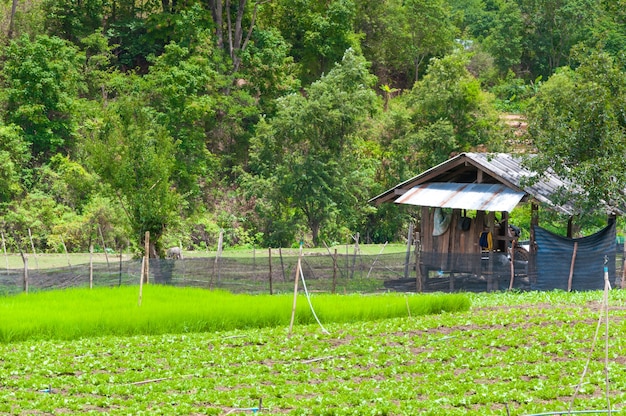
<point x="441" y="222"/>
<point x="486" y="240"/>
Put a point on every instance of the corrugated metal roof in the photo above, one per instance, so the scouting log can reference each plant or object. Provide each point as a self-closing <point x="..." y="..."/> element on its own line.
<point x="474" y="196"/>
<point x="502" y="168"/>
<point x="511" y="168"/>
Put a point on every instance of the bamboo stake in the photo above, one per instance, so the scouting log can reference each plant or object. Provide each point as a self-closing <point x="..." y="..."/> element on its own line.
<point x="418" y="259"/>
<point x="120" y="272"/>
<point x="282" y="263"/>
<point x="270" y="265"/>
<point x="409" y="242"/>
<point x="90" y="266"/>
<point x="104" y="247"/>
<point x="335" y="272"/>
<point x="141" y="277"/>
<point x="376" y="259"/>
<point x="4" y="248"/>
<point x="356" y="250"/>
<point x="30" y="236"/>
<point x="571" y="267"/>
<point x="220" y="242"/>
<point x="147" y="257"/>
<point x="66" y="253"/>
<point x="25" y="260"/>
<point x="295" y="290"/>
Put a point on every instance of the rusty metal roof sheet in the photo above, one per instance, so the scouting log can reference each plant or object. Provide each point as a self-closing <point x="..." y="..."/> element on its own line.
<point x="505" y="169"/>
<point x="474" y="196"/>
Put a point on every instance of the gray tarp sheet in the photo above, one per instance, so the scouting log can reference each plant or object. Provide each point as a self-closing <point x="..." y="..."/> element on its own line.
<point x="554" y="257"/>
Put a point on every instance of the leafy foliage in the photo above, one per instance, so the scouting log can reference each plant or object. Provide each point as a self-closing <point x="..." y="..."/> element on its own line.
<point x="307" y="152"/>
<point x="267" y="130"/>
<point x="43" y="80"/>
<point x="579" y="129"/>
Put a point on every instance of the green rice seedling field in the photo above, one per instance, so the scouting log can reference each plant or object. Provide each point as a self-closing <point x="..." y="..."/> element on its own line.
<point x="507" y="354"/>
<point x="80" y="312"/>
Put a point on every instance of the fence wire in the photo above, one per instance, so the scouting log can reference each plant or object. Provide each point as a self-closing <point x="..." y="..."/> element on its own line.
<point x="354" y="273"/>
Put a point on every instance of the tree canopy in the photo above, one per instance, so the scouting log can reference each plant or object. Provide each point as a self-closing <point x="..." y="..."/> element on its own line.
<point x="276" y="120"/>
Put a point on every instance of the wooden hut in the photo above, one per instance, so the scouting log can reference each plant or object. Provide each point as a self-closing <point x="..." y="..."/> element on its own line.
<point x="465" y="239"/>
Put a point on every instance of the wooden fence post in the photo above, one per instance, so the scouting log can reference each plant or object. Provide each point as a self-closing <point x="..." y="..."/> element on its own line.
<point x="147" y="257"/>
<point x="90" y="266"/>
<point x="141" y="277"/>
<point x="335" y="272"/>
<point x="4" y="248"/>
<point x="270" y="264"/>
<point x="25" y="260"/>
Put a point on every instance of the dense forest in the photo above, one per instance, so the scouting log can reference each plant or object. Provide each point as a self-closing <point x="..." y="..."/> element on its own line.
<point x="275" y="121"/>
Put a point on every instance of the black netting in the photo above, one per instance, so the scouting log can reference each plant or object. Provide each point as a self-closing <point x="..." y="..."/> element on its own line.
<point x="349" y="273"/>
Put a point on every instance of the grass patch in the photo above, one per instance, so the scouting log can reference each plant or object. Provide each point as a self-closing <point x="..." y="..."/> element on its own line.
<point x="81" y="312"/>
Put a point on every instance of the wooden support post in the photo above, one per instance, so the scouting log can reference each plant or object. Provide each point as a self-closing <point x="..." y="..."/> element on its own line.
<point x="492" y="228"/>
<point x="532" y="249"/>
<point x="407" y="258"/>
<point x="570" y="227"/>
<point x="418" y="267"/>
<point x="571" y="267"/>
<point x="623" y="285"/>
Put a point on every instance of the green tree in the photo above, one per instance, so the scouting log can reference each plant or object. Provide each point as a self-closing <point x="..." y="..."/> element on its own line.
<point x="578" y="125"/>
<point x="135" y="156"/>
<point x="319" y="32"/>
<point x="14" y="158"/>
<point x="553" y="28"/>
<point x="504" y="41"/>
<point x="67" y="181"/>
<point x="308" y="152"/>
<point x="428" y="31"/>
<point x="43" y="80"/>
<point x="449" y="97"/>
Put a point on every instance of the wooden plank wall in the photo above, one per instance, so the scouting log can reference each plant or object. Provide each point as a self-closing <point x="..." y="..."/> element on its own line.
<point x="454" y="241"/>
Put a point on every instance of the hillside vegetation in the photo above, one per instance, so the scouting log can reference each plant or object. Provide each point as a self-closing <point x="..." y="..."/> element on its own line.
<point x="273" y="122"/>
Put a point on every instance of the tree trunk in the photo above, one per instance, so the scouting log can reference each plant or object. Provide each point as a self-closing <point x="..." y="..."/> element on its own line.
<point x="12" y="20"/>
<point x="315" y="233"/>
<point x="216" y="10"/>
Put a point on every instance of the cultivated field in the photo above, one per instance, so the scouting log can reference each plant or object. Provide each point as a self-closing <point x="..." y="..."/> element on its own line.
<point x="509" y="354"/>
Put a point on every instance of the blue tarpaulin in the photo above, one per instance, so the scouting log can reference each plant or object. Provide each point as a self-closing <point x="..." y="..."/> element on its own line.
<point x="554" y="259"/>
